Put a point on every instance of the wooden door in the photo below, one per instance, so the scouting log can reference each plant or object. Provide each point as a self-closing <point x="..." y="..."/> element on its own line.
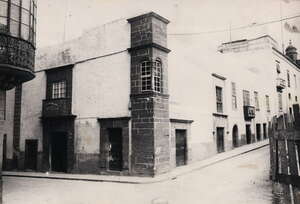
<point x="59" y="151"/>
<point x="31" y="150"/>
<point x="220" y="139"/>
<point x="181" y="147"/>
<point x="116" y="149"/>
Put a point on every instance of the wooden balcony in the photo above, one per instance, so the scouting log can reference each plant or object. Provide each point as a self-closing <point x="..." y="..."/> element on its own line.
<point x="57" y="107"/>
<point x="249" y="112"/>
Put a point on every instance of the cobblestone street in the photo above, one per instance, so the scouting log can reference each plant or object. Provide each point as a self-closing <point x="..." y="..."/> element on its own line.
<point x="243" y="179"/>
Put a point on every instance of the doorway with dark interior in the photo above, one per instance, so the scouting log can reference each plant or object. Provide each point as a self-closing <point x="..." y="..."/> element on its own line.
<point x="115" y="157"/>
<point x="258" y="132"/>
<point x="59" y="149"/>
<point x="265" y="130"/>
<point x="235" y="136"/>
<point x="181" y="147"/>
<point x="31" y="151"/>
<point x="248" y="134"/>
<point x="220" y="139"/>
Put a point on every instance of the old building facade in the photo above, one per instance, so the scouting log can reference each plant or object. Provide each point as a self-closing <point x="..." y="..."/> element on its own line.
<point x="118" y="101"/>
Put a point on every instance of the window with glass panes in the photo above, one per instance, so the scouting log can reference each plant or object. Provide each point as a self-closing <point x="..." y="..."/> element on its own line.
<point x="246" y="98"/>
<point x="2" y="104"/>
<point x="219" y="98"/>
<point x="151" y="76"/>
<point x="288" y="78"/>
<point x="146" y="76"/>
<point x="157" y="73"/>
<point x="59" y="89"/>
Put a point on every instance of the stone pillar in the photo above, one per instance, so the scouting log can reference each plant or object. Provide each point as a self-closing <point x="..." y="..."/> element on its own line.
<point x="149" y="108"/>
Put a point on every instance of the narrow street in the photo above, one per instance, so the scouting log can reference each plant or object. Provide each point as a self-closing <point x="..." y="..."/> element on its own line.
<point x="240" y="180"/>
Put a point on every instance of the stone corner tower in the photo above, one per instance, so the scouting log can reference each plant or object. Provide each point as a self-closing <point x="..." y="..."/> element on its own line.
<point x="149" y="95"/>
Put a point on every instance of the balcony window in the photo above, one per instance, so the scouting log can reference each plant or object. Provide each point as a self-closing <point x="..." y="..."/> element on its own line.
<point x="59" y="90"/>
<point x="219" y="99"/>
<point x="2" y="104"/>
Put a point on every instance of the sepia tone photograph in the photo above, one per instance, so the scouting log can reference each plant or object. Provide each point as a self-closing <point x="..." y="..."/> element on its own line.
<point x="149" y="102"/>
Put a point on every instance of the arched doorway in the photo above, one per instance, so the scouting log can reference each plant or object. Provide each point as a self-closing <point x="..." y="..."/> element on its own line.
<point x="235" y="136"/>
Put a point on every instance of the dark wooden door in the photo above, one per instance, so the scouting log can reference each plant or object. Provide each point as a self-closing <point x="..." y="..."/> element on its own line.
<point x="265" y="130"/>
<point x="59" y="152"/>
<point x="248" y="134"/>
<point x="181" y="147"/>
<point x="220" y="139"/>
<point x="258" y="132"/>
<point x="235" y="136"/>
<point x="116" y="150"/>
<point x="31" y="150"/>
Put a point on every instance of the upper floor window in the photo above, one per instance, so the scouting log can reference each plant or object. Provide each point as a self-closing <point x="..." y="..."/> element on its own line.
<point x="288" y="78"/>
<point x="219" y="98"/>
<point x="59" y="89"/>
<point x="234" y="99"/>
<point x="246" y="98"/>
<point x="278" y="66"/>
<point x="268" y="103"/>
<point x="295" y="79"/>
<point x="256" y="100"/>
<point x="2" y="105"/>
<point x="151" y="76"/>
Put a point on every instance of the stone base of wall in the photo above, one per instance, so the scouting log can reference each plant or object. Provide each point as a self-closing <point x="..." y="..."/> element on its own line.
<point x="87" y="163"/>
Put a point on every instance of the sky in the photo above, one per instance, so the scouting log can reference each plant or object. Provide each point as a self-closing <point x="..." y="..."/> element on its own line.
<point x="192" y="21"/>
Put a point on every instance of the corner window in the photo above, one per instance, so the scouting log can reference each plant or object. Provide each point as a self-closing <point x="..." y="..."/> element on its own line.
<point x="59" y="89"/>
<point x="219" y="98"/>
<point x="2" y="105"/>
<point x="151" y="76"/>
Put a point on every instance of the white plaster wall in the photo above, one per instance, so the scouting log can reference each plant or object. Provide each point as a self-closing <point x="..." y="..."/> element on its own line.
<point x="32" y="100"/>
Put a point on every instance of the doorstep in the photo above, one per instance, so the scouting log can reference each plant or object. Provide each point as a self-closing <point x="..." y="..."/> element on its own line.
<point x="179" y="171"/>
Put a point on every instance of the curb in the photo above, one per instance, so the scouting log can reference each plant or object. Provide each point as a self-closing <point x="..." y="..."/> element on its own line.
<point x="139" y="180"/>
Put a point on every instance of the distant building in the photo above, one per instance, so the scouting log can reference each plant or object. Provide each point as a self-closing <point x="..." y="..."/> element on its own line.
<point x="117" y="101"/>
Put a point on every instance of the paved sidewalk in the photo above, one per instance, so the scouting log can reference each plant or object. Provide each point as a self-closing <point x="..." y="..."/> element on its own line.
<point x="144" y="180"/>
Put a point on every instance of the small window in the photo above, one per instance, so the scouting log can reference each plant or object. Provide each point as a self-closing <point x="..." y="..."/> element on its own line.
<point x="219" y="98"/>
<point x="59" y="89"/>
<point x="295" y="80"/>
<point x="290" y="96"/>
<point x="278" y="67"/>
<point x="2" y="105"/>
<point x="296" y="98"/>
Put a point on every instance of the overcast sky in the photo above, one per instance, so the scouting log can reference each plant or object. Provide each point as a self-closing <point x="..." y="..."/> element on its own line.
<point x="62" y="20"/>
